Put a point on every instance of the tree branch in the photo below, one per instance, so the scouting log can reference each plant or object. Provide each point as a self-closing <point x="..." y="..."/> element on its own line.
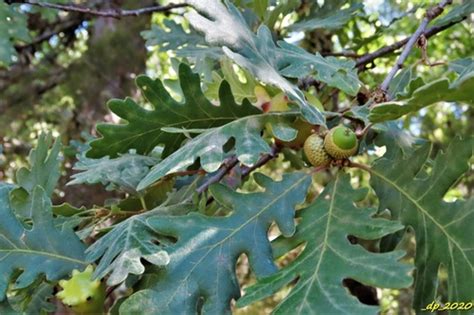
<point x="111" y="13"/>
<point x="230" y="164"/>
<point x="362" y="61"/>
<point x="66" y="26"/>
<point x="263" y="160"/>
<point x="225" y="168"/>
<point x="430" y="14"/>
<point x="368" y="58"/>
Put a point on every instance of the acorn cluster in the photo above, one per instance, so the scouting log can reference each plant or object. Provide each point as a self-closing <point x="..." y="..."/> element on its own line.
<point x="339" y="143"/>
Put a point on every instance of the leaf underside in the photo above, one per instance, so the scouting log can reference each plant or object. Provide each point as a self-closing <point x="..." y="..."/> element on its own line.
<point x="224" y="26"/>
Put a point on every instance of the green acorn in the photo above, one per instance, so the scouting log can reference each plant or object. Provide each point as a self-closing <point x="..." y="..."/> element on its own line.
<point x="341" y="142"/>
<point x="83" y="294"/>
<point x="314" y="150"/>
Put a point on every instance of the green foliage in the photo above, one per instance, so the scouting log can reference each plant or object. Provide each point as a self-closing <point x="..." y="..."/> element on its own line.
<point x="400" y="85"/>
<point x="240" y="90"/>
<point x="41" y="250"/>
<point x="175" y="38"/>
<point x="44" y="171"/>
<point x="328" y="257"/>
<point x="413" y="189"/>
<point x="13" y="28"/>
<point x="257" y="53"/>
<point x="123" y="172"/>
<point x="329" y="16"/>
<point x="458" y="13"/>
<point x="32" y="299"/>
<point x="142" y="125"/>
<point x="131" y="240"/>
<point x="202" y="261"/>
<point x="209" y="146"/>
<point x="459" y="90"/>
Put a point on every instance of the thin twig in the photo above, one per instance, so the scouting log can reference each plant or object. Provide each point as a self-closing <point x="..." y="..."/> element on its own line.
<point x="68" y="25"/>
<point x="319" y="169"/>
<point x="430" y="14"/>
<point x="225" y="168"/>
<point x="262" y="161"/>
<point x="230" y="164"/>
<point x="110" y="13"/>
<point x="246" y="171"/>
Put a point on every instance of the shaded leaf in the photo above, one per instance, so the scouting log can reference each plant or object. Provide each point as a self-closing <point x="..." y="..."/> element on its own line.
<point x="282" y="8"/>
<point x="5" y="308"/>
<point x="328" y="257"/>
<point x="400" y="82"/>
<point x="202" y="261"/>
<point x="461" y="65"/>
<point x="41" y="250"/>
<point x="457" y="13"/>
<point x="143" y="130"/>
<point x="172" y="38"/>
<point x="466" y="72"/>
<point x="44" y="171"/>
<point x="339" y="73"/>
<point x="323" y="18"/>
<point x="415" y="197"/>
<point x="240" y="90"/>
<point x="33" y="299"/>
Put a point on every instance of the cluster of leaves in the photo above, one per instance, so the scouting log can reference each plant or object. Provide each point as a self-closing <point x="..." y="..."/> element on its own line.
<point x="33" y="247"/>
<point x="187" y="216"/>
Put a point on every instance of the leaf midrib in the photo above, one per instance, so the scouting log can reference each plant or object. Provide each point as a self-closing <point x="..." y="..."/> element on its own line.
<point x="233" y="233"/>
<point x="324" y="243"/>
<point x="424" y="212"/>
<point x="38" y="253"/>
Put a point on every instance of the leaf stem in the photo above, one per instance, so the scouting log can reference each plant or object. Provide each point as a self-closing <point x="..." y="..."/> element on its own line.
<point x="364" y="131"/>
<point x="143" y="202"/>
<point x="360" y="166"/>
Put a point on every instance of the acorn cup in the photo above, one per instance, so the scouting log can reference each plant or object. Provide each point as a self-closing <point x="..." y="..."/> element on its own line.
<point x="341" y="142"/>
<point x="315" y="152"/>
